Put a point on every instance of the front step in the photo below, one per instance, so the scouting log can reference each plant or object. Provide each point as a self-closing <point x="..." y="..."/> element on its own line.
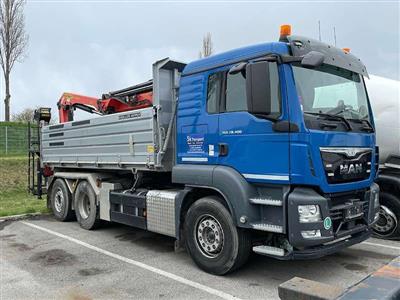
<point x="269" y="250"/>
<point x="267" y="227"/>
<point x="265" y="201"/>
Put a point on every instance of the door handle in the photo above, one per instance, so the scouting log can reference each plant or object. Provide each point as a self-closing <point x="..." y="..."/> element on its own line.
<point x="223" y="149"/>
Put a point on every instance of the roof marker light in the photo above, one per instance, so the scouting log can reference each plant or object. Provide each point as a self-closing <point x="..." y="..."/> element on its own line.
<point x="285" y="31"/>
<point x="347" y="50"/>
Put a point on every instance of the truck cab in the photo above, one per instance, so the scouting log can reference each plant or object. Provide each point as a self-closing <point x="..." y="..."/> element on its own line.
<point x="285" y="131"/>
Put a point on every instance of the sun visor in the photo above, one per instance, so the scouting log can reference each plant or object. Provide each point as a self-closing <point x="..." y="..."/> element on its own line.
<point x="300" y="46"/>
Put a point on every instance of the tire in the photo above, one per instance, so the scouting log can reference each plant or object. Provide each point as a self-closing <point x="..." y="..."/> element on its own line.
<point x="208" y="252"/>
<point x="61" y="201"/>
<point x="86" y="210"/>
<point x="388" y="224"/>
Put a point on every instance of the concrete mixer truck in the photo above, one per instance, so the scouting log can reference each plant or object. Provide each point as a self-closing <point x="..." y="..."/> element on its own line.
<point x="384" y="95"/>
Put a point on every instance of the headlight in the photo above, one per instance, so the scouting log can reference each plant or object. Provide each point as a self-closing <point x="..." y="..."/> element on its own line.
<point x="309" y="213"/>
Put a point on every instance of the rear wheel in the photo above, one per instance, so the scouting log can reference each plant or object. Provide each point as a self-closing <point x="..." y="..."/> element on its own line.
<point x="61" y="201"/>
<point x="86" y="210"/>
<point x="214" y="242"/>
<point x="388" y="224"/>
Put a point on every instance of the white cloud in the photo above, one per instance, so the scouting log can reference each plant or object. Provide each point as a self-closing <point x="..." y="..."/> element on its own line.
<point x="91" y="48"/>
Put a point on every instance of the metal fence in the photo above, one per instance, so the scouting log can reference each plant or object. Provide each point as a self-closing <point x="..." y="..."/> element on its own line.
<point x="14" y="138"/>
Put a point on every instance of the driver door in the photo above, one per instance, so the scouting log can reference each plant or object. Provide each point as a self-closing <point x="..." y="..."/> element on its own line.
<point x="248" y="143"/>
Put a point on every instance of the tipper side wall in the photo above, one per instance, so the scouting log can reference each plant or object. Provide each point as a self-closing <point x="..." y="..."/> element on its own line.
<point x="109" y="142"/>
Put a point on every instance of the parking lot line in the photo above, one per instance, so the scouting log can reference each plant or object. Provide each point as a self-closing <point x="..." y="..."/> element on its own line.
<point x="381" y="245"/>
<point x="137" y="263"/>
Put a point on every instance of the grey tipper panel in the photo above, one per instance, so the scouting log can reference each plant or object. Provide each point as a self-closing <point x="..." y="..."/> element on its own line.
<point x="113" y="141"/>
<point x="333" y="56"/>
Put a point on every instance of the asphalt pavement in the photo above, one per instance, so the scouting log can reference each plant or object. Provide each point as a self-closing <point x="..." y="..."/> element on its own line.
<point x="45" y="259"/>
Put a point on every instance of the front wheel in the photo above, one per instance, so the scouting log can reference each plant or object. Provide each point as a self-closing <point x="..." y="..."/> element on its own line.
<point x="214" y="242"/>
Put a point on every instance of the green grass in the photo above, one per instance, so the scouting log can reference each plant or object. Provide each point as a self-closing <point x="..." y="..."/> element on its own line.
<point x="14" y="196"/>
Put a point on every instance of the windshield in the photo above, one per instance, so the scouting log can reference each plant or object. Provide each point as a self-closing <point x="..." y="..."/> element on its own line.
<point x="331" y="90"/>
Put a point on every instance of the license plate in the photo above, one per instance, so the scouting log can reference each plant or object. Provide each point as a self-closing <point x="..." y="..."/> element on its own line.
<point x="355" y="211"/>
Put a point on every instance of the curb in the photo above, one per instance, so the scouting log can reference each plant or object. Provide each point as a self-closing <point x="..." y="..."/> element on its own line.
<point x="383" y="284"/>
<point x="20" y="217"/>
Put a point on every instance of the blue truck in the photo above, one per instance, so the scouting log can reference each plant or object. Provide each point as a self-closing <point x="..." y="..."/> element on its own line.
<point x="268" y="148"/>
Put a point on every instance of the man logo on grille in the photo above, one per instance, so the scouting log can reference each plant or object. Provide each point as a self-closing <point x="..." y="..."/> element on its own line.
<point x="351" y="169"/>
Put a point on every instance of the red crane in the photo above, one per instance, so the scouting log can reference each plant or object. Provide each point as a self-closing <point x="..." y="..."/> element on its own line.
<point x="131" y="98"/>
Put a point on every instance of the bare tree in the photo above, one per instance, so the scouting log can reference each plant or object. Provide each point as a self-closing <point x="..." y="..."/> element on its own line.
<point x="13" y="41"/>
<point x="27" y="115"/>
<point x="24" y="116"/>
<point x="207" y="48"/>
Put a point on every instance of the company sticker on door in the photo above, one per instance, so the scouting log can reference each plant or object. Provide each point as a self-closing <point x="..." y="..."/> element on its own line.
<point x="195" y="143"/>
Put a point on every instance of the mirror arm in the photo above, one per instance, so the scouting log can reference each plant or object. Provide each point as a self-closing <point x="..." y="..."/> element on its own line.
<point x="237" y="68"/>
<point x="287" y="59"/>
<point x="270" y="58"/>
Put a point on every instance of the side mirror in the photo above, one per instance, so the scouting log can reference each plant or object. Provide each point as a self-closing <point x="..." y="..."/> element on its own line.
<point x="258" y="88"/>
<point x="312" y="59"/>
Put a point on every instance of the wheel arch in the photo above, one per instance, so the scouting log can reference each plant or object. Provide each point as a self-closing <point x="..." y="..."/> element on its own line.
<point x="194" y="193"/>
<point x="221" y="181"/>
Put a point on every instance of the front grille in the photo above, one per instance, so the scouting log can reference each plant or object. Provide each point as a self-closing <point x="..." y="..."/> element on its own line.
<point x="340" y="203"/>
<point x="346" y="164"/>
<point x="337" y="213"/>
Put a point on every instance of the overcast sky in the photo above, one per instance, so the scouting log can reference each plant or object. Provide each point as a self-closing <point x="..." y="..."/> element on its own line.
<point x="91" y="48"/>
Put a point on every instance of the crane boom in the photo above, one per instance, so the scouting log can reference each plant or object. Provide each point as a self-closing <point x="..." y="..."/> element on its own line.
<point x="132" y="98"/>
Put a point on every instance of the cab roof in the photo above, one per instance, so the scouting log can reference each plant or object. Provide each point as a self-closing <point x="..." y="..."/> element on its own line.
<point x="234" y="56"/>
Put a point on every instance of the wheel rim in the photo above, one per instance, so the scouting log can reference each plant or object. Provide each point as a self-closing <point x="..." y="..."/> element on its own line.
<point x="209" y="236"/>
<point x="387" y="222"/>
<point x="59" y="200"/>
<point x="84" y="206"/>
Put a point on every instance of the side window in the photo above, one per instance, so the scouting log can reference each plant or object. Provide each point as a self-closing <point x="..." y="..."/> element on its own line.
<point x="236" y="93"/>
<point x="213" y="92"/>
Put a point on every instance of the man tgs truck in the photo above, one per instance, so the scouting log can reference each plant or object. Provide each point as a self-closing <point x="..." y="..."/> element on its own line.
<point x="267" y="148"/>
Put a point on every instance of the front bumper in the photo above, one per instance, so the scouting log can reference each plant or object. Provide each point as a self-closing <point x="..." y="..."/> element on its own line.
<point x="333" y="208"/>
<point x="323" y="250"/>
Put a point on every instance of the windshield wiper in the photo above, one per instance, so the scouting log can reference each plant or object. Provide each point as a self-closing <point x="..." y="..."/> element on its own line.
<point x="332" y="117"/>
<point x="342" y="110"/>
<point x="368" y="124"/>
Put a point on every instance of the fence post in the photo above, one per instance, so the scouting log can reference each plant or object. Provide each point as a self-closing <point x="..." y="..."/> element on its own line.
<point x="6" y="141"/>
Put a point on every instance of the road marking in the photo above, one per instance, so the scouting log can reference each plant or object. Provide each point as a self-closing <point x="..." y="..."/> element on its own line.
<point x="381" y="245"/>
<point x="138" y="264"/>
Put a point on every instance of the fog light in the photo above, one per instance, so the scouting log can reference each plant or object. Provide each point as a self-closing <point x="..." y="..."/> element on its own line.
<point x="311" y="234"/>
<point x="309" y="213"/>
